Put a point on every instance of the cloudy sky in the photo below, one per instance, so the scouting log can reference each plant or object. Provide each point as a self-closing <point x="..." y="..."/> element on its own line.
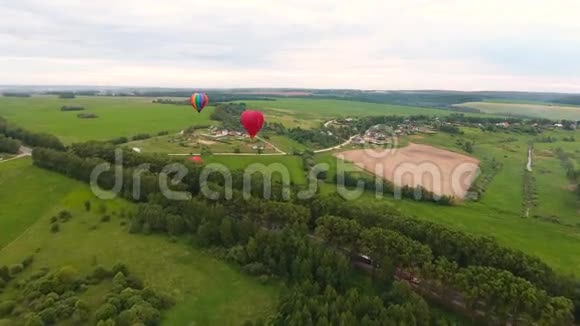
<point x="372" y="44"/>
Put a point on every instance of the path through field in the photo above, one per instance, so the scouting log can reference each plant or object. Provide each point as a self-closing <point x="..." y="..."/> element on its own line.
<point x="23" y="152"/>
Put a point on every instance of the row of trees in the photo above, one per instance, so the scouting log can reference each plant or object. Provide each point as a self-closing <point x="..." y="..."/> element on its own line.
<point x="30" y="138"/>
<point x="352" y="179"/>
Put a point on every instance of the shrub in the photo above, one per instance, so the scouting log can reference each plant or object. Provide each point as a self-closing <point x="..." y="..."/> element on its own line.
<point x="64" y="215"/>
<point x="100" y="273"/>
<point x="33" y="319"/>
<point x="15" y="269"/>
<point x="54" y="227"/>
<point x="105" y="218"/>
<point x="120" y="268"/>
<point x="106" y="311"/>
<point x="48" y="315"/>
<point x="27" y="261"/>
<point x="88" y="205"/>
<point x="6" y="307"/>
<point x="53" y="219"/>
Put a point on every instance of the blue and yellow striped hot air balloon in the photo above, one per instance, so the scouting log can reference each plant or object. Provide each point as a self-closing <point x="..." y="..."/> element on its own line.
<point x="199" y="101"/>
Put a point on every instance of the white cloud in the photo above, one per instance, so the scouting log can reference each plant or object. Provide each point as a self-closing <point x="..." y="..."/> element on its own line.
<point x="445" y="44"/>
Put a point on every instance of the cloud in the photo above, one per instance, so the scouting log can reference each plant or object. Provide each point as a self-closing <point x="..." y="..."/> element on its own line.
<point x="503" y="45"/>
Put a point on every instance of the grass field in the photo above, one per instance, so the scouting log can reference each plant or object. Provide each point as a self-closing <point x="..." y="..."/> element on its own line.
<point x="293" y="164"/>
<point x="26" y="193"/>
<point x="117" y="116"/>
<point x="208" y="291"/>
<point x="537" y="110"/>
<point x="308" y="113"/>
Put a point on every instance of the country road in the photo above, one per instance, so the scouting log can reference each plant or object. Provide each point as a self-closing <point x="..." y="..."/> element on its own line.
<point x="280" y="152"/>
<point x="23" y="151"/>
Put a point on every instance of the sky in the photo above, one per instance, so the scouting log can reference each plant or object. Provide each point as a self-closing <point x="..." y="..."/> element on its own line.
<point x="523" y="45"/>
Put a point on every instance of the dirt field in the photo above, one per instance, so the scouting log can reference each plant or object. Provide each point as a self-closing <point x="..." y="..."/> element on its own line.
<point x="438" y="170"/>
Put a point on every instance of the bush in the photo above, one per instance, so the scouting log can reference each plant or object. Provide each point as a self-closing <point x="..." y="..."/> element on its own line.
<point x="33" y="319"/>
<point x="88" y="205"/>
<point x="6" y="307"/>
<point x="100" y="273"/>
<point x="54" y="227"/>
<point x="120" y="268"/>
<point x="27" y="261"/>
<point x="106" y="311"/>
<point x="48" y="315"/>
<point x="64" y="215"/>
<point x="53" y="219"/>
<point x="105" y="218"/>
<point x="15" y="269"/>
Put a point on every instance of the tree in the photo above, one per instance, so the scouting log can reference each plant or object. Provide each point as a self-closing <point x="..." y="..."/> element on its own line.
<point x="227" y="234"/>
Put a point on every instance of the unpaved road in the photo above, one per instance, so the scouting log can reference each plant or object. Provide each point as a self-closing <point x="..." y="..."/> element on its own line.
<point x="22" y="152"/>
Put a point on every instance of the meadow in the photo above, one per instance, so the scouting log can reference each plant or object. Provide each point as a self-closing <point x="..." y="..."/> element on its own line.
<point x="208" y="291"/>
<point x="117" y="116"/>
<point x="534" y="110"/>
<point x="234" y="162"/>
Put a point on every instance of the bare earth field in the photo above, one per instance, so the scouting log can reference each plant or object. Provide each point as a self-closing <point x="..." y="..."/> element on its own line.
<point x="437" y="170"/>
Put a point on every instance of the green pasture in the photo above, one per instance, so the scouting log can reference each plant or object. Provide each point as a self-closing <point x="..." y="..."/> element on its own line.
<point x="292" y="164"/>
<point x="208" y="291"/>
<point x="117" y="116"/>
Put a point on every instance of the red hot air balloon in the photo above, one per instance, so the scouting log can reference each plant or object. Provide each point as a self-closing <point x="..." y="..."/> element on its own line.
<point x="199" y="101"/>
<point x="252" y="121"/>
<point x="196" y="159"/>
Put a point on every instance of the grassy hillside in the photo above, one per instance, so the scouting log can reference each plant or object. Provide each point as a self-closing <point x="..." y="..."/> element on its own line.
<point x="117" y="116"/>
<point x="208" y="291"/>
<point x="26" y="194"/>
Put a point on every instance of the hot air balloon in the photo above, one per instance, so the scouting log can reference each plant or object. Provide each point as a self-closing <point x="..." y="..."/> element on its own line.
<point x="252" y="121"/>
<point x="199" y="101"/>
<point x="196" y="159"/>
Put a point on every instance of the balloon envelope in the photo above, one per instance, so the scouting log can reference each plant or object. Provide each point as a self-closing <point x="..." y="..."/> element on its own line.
<point x="199" y="101"/>
<point x="252" y="121"/>
<point x="196" y="159"/>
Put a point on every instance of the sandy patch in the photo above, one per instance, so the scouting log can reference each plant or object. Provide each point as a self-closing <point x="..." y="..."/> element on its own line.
<point x="440" y="171"/>
<point x="206" y="142"/>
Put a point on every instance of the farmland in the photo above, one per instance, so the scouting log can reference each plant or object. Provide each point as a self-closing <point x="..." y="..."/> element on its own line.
<point x="536" y="110"/>
<point x="208" y="291"/>
<point x="117" y="116"/>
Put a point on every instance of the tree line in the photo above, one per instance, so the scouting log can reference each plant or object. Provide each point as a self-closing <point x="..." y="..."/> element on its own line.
<point x="30" y="138"/>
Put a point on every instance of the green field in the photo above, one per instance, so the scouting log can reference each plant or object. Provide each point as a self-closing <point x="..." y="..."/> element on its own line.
<point x="208" y="291"/>
<point x="537" y="110"/>
<point x="117" y="116"/>
<point x="308" y="113"/>
<point x="293" y="164"/>
<point x="26" y="193"/>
